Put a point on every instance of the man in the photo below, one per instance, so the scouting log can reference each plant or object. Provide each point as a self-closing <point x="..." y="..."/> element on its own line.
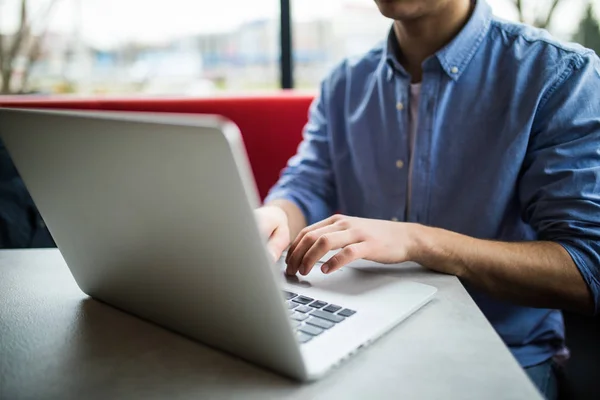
<point x="470" y="146"/>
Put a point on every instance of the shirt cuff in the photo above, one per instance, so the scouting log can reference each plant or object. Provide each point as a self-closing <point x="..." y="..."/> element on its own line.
<point x="587" y="260"/>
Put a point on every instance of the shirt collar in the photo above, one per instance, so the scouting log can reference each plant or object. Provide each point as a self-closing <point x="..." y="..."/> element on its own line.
<point x="392" y="51"/>
<point x="455" y="57"/>
<point x="457" y="54"/>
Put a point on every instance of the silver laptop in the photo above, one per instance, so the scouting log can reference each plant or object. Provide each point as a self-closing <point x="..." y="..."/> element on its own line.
<point x="153" y="214"/>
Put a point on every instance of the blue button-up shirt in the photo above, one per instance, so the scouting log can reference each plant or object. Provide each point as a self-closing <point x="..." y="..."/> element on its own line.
<point x="507" y="147"/>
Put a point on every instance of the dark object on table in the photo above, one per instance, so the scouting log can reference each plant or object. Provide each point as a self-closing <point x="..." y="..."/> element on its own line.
<point x="21" y="225"/>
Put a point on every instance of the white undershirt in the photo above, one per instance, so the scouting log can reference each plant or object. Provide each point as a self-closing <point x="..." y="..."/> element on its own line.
<point x="415" y="95"/>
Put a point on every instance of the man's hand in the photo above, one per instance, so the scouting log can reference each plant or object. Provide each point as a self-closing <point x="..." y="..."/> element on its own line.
<point x="273" y="223"/>
<point x="374" y="240"/>
<point x="537" y="273"/>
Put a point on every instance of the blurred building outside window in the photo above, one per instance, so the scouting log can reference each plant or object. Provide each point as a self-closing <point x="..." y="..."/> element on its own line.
<point x="200" y="48"/>
<point x="124" y="47"/>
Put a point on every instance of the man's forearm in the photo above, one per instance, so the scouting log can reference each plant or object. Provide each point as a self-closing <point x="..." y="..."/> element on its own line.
<point x="295" y="217"/>
<point x="538" y="274"/>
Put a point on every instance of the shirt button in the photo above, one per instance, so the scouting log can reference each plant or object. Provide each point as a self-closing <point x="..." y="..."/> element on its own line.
<point x="454" y="70"/>
<point x="399" y="106"/>
<point x="395" y="219"/>
<point x="399" y="164"/>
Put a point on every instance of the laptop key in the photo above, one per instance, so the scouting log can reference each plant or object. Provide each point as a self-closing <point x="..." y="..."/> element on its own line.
<point x="311" y="330"/>
<point x="327" y="316"/>
<point x="318" y="304"/>
<point x="289" y="295"/>
<point x="321" y="323"/>
<point x="303" y="337"/>
<point x="304" y="309"/>
<point x="299" y="316"/>
<point x="302" y="300"/>
<point x="346" y="312"/>
<point x="332" y="308"/>
<point x="291" y="305"/>
<point x="295" y="324"/>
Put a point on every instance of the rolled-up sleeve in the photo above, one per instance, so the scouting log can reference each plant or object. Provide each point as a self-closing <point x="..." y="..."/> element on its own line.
<point x="560" y="185"/>
<point x="307" y="180"/>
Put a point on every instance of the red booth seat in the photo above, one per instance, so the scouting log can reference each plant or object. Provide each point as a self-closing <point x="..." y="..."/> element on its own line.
<point x="271" y="126"/>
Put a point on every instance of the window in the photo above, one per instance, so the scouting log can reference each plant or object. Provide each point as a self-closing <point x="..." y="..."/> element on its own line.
<point x="204" y="48"/>
<point x="324" y="33"/>
<point x="174" y="47"/>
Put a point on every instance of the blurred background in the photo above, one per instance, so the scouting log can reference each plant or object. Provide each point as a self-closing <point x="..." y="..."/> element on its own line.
<point x="207" y="48"/>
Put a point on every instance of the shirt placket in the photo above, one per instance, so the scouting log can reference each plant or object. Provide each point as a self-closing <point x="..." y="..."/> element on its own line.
<point x="401" y="155"/>
<point x="421" y="158"/>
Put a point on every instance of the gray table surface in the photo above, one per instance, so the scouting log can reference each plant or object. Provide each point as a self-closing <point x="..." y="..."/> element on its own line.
<point x="57" y="343"/>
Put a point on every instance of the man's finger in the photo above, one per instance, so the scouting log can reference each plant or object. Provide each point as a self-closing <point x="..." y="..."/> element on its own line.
<point x="295" y="255"/>
<point x="348" y="254"/>
<point x="325" y="243"/>
<point x="308" y="229"/>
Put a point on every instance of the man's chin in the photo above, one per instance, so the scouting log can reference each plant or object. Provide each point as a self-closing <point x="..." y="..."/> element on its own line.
<point x="401" y="10"/>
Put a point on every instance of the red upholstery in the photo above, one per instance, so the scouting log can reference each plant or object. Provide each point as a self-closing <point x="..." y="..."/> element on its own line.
<point x="271" y="125"/>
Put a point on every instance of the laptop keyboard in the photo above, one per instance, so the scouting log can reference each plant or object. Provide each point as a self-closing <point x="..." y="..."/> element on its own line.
<point x="311" y="317"/>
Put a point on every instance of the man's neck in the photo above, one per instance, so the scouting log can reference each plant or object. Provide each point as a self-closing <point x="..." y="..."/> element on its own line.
<point x="422" y="37"/>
